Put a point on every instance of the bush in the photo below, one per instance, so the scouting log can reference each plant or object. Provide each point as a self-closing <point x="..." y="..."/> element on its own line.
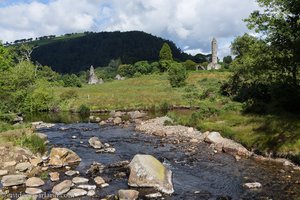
<point x="143" y="67"/>
<point x="190" y="65"/>
<point x="177" y="75"/>
<point x="126" y="70"/>
<point x="84" y="109"/>
<point x="71" y="80"/>
<point x="32" y="142"/>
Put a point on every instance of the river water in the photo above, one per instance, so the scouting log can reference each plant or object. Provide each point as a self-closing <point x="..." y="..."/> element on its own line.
<point x="198" y="173"/>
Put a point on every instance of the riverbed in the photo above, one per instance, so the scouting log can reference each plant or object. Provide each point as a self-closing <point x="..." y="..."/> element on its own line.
<point x="198" y="173"/>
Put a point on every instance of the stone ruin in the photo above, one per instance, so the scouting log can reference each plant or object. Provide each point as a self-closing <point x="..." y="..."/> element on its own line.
<point x="214" y="62"/>
<point x="93" y="79"/>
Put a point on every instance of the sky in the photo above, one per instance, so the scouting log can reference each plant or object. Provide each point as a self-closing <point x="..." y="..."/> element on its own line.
<point x="190" y="24"/>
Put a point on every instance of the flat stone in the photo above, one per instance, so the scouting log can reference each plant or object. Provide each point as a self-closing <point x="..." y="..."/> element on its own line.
<point x="155" y="195"/>
<point x="71" y="173"/>
<point x="79" y="180"/>
<point x="33" y="191"/>
<point x="147" y="171"/>
<point x="9" y="164"/>
<point x="91" y="193"/>
<point x="95" y="143"/>
<point x="13" y="180"/>
<point x="76" y="193"/>
<point x="36" y="161"/>
<point x="62" y="156"/>
<point x="252" y="185"/>
<point x="42" y="136"/>
<point x="62" y="187"/>
<point x="128" y="194"/>
<point x="99" y="180"/>
<point x="34" y="182"/>
<point x="3" y="172"/>
<point x="27" y="197"/>
<point x="104" y="185"/>
<point x="22" y="167"/>
<point x="54" y="176"/>
<point x="102" y="123"/>
<point x="87" y="187"/>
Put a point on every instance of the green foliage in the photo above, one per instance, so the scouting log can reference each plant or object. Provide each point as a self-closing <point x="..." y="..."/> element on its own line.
<point x="33" y="142"/>
<point x="47" y="73"/>
<point x="15" y="84"/>
<point x="189" y="65"/>
<point x="6" y="60"/>
<point x="164" y="65"/>
<point x="41" y="98"/>
<point x="84" y="109"/>
<point x="177" y="75"/>
<point x="71" y="80"/>
<point x="126" y="70"/>
<point x="44" y="175"/>
<point x="191" y="95"/>
<point x="266" y="67"/>
<point x="227" y="59"/>
<point x="155" y="66"/>
<point x="143" y="67"/>
<point x="165" y="53"/>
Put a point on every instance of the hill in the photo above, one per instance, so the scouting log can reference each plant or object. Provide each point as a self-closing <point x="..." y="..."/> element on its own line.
<point x="71" y="55"/>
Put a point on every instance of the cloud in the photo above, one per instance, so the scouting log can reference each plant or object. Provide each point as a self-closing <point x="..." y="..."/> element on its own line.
<point x="190" y="23"/>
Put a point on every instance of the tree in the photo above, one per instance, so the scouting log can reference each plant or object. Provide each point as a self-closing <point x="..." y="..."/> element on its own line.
<point x="5" y="58"/>
<point x="165" y="53"/>
<point x="227" y="59"/>
<point x="190" y="65"/>
<point x="71" y="80"/>
<point x="280" y="25"/>
<point x="177" y="74"/>
<point x="267" y="68"/>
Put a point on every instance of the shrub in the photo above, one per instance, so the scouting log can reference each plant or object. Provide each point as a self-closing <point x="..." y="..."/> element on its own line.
<point x="84" y="109"/>
<point x="177" y="75"/>
<point x="71" y="80"/>
<point x="189" y="65"/>
<point x="143" y="67"/>
<point x="126" y="70"/>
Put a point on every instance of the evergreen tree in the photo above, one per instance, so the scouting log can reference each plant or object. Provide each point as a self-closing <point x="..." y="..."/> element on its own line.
<point x="165" y="52"/>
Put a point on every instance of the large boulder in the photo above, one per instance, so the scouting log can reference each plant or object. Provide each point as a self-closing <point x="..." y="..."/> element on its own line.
<point x="227" y="145"/>
<point x="62" y="187"/>
<point x="22" y="167"/>
<point x="62" y="156"/>
<point x="147" y="171"/>
<point x="95" y="143"/>
<point x="12" y="180"/>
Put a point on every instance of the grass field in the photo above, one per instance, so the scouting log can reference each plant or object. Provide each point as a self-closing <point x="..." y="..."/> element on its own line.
<point x="270" y="134"/>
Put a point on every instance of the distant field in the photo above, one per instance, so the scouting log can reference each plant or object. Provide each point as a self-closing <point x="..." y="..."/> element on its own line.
<point x="141" y="92"/>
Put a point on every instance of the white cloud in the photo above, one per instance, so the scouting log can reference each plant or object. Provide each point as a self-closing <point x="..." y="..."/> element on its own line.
<point x="190" y="23"/>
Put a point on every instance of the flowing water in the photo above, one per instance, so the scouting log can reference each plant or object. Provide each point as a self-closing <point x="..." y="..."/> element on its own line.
<point x="198" y="174"/>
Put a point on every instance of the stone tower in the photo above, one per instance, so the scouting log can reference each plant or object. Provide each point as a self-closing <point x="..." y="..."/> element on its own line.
<point x="214" y="56"/>
<point x="93" y="79"/>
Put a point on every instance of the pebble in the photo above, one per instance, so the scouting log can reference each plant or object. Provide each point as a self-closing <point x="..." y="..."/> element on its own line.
<point x="99" y="180"/>
<point x="33" y="191"/>
<point x="104" y="185"/>
<point x="87" y="187"/>
<point x="74" y="137"/>
<point x="155" y="195"/>
<point x="91" y="193"/>
<point x="79" y="180"/>
<point x="71" y="173"/>
<point x="253" y="185"/>
<point x="54" y="176"/>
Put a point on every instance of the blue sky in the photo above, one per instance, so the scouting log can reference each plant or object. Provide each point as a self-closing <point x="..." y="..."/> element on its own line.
<point x="191" y="24"/>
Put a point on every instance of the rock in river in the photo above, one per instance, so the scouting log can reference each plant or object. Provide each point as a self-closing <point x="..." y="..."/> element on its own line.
<point x="76" y="193"/>
<point x="252" y="185"/>
<point x="128" y="194"/>
<point x="22" y="167"/>
<point x="79" y="180"/>
<point x="227" y="145"/>
<point x="33" y="191"/>
<point x="62" y="156"/>
<point x="95" y="143"/>
<point x="12" y="180"/>
<point x="62" y="187"/>
<point x="147" y="171"/>
<point x="34" y="182"/>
